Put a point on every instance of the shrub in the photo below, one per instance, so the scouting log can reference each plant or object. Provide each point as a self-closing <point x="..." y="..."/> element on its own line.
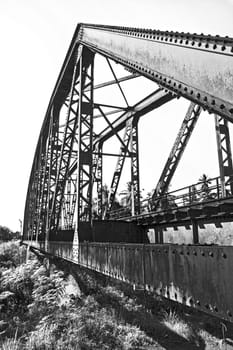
<point x="11" y="254"/>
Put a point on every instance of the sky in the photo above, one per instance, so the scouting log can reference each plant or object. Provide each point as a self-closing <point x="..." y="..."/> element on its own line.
<point x="34" y="38"/>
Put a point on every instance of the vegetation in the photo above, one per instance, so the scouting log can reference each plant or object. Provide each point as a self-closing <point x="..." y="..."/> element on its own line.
<point x="105" y="202"/>
<point x="6" y="234"/>
<point x="39" y="311"/>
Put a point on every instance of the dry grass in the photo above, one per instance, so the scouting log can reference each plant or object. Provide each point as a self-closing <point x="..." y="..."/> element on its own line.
<point x="177" y="325"/>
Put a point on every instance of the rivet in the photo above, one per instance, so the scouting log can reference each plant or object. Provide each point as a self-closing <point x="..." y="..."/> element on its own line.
<point x="214" y="46"/>
<point x="194" y="252"/>
<point x="229" y="313"/>
<point x="198" y="302"/>
<point x="211" y="254"/>
<point x="224" y="255"/>
<point x="223" y="48"/>
<point x="203" y="253"/>
<point x="215" y="308"/>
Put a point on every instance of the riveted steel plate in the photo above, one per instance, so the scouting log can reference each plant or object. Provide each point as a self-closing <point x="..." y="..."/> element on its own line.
<point x="197" y="276"/>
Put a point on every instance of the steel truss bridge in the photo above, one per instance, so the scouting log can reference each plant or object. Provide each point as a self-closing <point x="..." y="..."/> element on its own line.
<point x="61" y="217"/>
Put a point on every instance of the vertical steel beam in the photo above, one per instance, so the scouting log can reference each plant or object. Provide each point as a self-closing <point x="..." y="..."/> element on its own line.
<point x="85" y="139"/>
<point x="178" y="148"/>
<point x="43" y="181"/>
<point x="54" y="149"/>
<point x="135" y="183"/>
<point x="195" y="232"/>
<point x="66" y="153"/>
<point x="99" y="181"/>
<point x="224" y="155"/>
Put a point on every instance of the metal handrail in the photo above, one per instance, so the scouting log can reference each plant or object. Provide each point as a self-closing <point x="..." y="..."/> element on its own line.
<point x="188" y="196"/>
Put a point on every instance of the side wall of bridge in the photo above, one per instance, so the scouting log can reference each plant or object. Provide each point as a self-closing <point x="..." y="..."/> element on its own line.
<point x="104" y="231"/>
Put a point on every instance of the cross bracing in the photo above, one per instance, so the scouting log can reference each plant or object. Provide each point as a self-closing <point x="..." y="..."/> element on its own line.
<point x="68" y="161"/>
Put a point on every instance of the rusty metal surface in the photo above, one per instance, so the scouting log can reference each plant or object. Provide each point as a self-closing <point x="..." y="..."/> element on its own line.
<point x="200" y="71"/>
<point x="197" y="276"/>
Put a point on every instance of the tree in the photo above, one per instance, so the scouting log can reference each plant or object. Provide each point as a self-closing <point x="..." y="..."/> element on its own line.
<point x="5" y="234"/>
<point x="205" y="188"/>
<point x="105" y="201"/>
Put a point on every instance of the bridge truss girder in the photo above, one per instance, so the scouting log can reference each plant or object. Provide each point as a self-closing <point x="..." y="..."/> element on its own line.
<point x="177" y="151"/>
<point x="63" y="174"/>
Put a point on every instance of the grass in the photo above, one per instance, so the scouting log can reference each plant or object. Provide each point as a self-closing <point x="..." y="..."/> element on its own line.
<point x="34" y="306"/>
<point x="173" y="322"/>
<point x="104" y="315"/>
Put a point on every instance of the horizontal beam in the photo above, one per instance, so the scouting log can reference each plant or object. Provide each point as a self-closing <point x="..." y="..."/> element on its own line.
<point x="146" y="105"/>
<point x="154" y="100"/>
<point x="113" y="82"/>
<point x="198" y="67"/>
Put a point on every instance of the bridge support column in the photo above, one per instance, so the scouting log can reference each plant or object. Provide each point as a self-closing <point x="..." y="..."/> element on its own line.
<point x="195" y="232"/>
<point x="135" y="185"/>
<point x="224" y="155"/>
<point x="99" y="181"/>
<point x="84" y="136"/>
<point x="158" y="235"/>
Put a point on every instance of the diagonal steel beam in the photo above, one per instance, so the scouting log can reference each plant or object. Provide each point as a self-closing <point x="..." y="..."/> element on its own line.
<point x="178" y="148"/>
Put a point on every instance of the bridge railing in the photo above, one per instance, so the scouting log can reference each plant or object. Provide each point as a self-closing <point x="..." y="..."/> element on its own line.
<point x="192" y="195"/>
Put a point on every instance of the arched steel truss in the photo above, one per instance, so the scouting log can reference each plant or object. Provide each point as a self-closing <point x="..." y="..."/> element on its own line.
<point x="68" y="162"/>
